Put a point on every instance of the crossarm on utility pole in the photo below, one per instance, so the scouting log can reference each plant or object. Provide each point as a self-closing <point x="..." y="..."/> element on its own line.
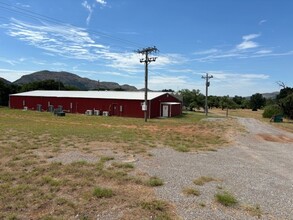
<point x="146" y="61"/>
<point x="207" y="77"/>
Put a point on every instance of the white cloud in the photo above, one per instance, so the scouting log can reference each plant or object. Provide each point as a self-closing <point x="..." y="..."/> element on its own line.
<point x="66" y="40"/>
<point x="9" y="61"/>
<point x="12" y="75"/>
<point x="250" y="37"/>
<point x="209" y="51"/>
<point x="248" y="48"/>
<point x="235" y="83"/>
<point x="218" y="55"/>
<point x="247" y="45"/>
<point x="159" y="82"/>
<point x="72" y="42"/>
<point x="247" y="42"/>
<point x="262" y="21"/>
<point x="169" y="59"/>
<point x="23" y="5"/>
<point x="223" y="75"/>
<point x="87" y="6"/>
<point x="264" y="54"/>
<point x="101" y="2"/>
<point x="264" y="51"/>
<point x="128" y="62"/>
<point x="165" y="79"/>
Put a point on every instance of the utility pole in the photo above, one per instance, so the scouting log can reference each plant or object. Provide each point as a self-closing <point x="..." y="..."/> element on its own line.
<point x="207" y="77"/>
<point x="146" y="61"/>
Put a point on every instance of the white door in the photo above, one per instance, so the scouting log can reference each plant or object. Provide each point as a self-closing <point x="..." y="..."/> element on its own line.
<point x="165" y="110"/>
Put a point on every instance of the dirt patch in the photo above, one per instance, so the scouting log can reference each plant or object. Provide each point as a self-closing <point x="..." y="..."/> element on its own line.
<point x="275" y="138"/>
<point x="74" y="156"/>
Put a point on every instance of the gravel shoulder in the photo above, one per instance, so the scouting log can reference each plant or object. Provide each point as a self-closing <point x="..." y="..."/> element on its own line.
<point x="257" y="169"/>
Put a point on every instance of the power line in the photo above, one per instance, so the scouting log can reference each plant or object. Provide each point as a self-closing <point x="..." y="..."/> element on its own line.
<point x="40" y="17"/>
<point x="146" y="61"/>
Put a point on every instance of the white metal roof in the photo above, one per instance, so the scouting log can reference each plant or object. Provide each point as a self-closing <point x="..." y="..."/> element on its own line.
<point x="170" y="103"/>
<point x="129" y="95"/>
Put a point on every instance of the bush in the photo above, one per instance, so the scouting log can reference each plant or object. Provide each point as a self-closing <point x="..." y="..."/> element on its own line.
<point x="155" y="205"/>
<point x="202" y="180"/>
<point x="155" y="181"/>
<point x="100" y="192"/>
<point x="271" y="110"/>
<point x="226" y="199"/>
<point x="191" y="191"/>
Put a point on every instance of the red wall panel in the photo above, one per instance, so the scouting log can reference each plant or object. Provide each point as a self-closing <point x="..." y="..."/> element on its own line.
<point x="126" y="108"/>
<point x="156" y="107"/>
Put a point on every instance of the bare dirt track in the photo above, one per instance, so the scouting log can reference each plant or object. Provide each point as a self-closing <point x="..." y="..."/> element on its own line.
<point x="257" y="169"/>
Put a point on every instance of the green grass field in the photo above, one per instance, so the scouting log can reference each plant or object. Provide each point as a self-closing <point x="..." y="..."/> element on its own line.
<point x="36" y="184"/>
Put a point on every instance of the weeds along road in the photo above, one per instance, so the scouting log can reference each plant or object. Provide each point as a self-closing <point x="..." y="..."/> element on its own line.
<point x="257" y="169"/>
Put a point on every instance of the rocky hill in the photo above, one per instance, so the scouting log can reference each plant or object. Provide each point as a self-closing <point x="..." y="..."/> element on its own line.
<point x="70" y="79"/>
<point x="4" y="80"/>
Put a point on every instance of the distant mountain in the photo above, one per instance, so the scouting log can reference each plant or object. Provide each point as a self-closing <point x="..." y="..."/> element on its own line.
<point x="70" y="79"/>
<point x="5" y="81"/>
<point x="270" y="95"/>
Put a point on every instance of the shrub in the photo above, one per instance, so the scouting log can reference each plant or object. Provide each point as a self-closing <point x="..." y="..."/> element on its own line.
<point x="191" y="191"/>
<point x="155" y="205"/>
<point x="202" y="180"/>
<point x="226" y="199"/>
<point x="271" y="110"/>
<point x="155" y="181"/>
<point x="123" y="165"/>
<point x="103" y="192"/>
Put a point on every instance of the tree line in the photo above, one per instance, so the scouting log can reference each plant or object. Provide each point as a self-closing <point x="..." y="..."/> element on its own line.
<point x="282" y="104"/>
<point x="7" y="89"/>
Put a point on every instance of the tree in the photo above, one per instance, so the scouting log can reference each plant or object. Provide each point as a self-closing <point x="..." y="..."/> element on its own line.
<point x="240" y="101"/>
<point x="284" y="93"/>
<point x="287" y="106"/>
<point x="5" y="91"/>
<point x="168" y="90"/>
<point x="285" y="101"/>
<point x="271" y="110"/>
<point x="214" y="101"/>
<point x="192" y="98"/>
<point x="227" y="102"/>
<point x="43" y="85"/>
<point x="257" y="101"/>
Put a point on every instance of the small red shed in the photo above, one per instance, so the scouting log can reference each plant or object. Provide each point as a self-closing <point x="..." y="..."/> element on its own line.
<point x="118" y="103"/>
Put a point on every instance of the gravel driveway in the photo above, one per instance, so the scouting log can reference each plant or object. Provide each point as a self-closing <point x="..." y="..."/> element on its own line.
<point x="257" y="169"/>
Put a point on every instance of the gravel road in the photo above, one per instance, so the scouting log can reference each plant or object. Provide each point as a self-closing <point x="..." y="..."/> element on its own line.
<point x="257" y="169"/>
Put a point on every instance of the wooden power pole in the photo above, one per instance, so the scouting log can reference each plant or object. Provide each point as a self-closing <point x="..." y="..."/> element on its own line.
<point x="207" y="77"/>
<point x="146" y="61"/>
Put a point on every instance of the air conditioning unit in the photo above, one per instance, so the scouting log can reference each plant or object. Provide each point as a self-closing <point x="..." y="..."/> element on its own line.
<point x="105" y="113"/>
<point x="25" y="108"/>
<point x="88" y="112"/>
<point x="96" y="112"/>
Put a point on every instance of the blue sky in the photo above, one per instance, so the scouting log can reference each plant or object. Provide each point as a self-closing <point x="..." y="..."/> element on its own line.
<point x="247" y="45"/>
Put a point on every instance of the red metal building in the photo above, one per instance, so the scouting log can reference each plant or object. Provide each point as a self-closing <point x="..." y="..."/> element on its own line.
<point x="118" y="103"/>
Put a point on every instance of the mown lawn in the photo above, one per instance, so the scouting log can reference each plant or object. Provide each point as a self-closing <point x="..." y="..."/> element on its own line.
<point x="34" y="184"/>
